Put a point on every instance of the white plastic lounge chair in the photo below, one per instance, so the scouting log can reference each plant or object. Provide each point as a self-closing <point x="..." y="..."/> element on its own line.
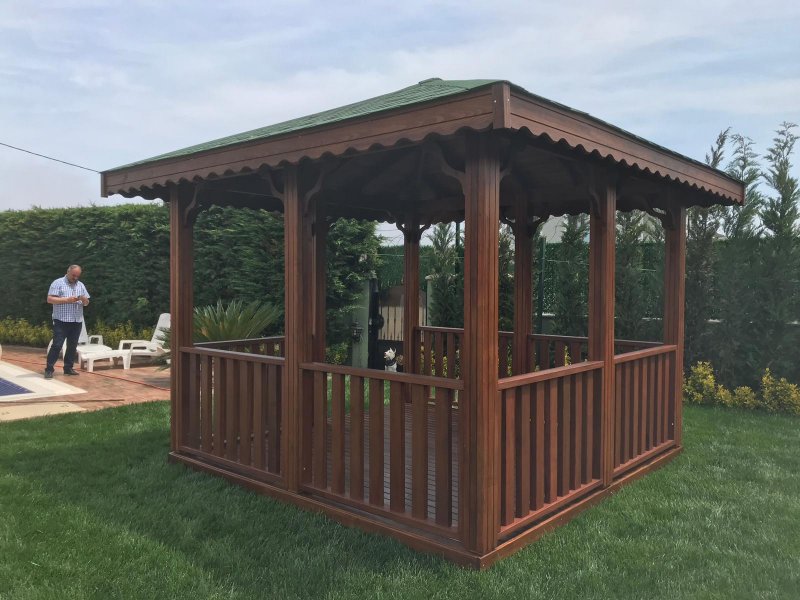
<point x="86" y="343"/>
<point x="155" y="347"/>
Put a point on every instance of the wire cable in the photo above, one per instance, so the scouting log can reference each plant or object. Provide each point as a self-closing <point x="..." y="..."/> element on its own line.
<point x="49" y="157"/>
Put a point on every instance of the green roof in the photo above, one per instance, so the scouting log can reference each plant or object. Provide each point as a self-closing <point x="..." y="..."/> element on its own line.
<point x="429" y="89"/>
<point x="426" y="90"/>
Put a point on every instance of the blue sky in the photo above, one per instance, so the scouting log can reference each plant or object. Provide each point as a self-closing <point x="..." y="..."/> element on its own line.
<point x="106" y="83"/>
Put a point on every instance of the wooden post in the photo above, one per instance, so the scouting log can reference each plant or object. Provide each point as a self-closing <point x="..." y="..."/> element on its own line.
<point x="602" y="248"/>
<point x="320" y="234"/>
<point x="480" y="495"/>
<point x="181" y="266"/>
<point x="298" y="325"/>
<point x="411" y="237"/>
<point x="523" y="290"/>
<point x="674" y="306"/>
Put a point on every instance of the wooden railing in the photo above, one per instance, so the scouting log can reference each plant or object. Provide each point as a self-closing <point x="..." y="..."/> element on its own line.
<point x="232" y="412"/>
<point x="551" y="351"/>
<point x="549" y="441"/>
<point x="361" y="447"/>
<point x="644" y="405"/>
<point x="440" y="351"/>
<point x="267" y="346"/>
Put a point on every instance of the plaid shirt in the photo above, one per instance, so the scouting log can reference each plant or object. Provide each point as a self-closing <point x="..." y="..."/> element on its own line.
<point x="73" y="311"/>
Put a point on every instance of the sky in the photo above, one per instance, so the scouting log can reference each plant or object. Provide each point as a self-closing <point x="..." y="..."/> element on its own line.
<point x="104" y="83"/>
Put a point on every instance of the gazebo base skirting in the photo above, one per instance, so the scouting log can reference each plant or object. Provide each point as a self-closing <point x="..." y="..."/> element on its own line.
<point x="390" y="456"/>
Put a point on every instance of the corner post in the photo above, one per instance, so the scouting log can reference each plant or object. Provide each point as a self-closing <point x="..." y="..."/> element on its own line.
<point x="674" y="307"/>
<point x="602" y="241"/>
<point x="411" y="238"/>
<point x="181" y="267"/>
<point x="297" y="241"/>
<point x="480" y="440"/>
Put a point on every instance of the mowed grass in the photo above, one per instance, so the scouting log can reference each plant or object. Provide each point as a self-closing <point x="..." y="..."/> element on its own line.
<point x="89" y="508"/>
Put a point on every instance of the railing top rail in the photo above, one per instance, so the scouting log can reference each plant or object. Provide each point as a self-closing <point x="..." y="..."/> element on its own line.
<point x="647" y="352"/>
<point x="247" y="356"/>
<point x="642" y="343"/>
<point x="440" y="329"/>
<point x="274" y="338"/>
<point x="412" y="378"/>
<point x="558" y="338"/>
<point x="556" y="373"/>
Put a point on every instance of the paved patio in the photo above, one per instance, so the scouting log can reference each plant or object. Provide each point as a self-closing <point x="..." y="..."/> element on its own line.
<point x="107" y="386"/>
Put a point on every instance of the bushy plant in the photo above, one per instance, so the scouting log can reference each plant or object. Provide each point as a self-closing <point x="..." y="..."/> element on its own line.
<point x="745" y="397"/>
<point x="700" y="387"/>
<point x="779" y="395"/>
<point x="23" y="333"/>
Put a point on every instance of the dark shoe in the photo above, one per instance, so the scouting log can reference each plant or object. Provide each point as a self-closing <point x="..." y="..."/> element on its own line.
<point x="71" y="372"/>
<point x="48" y="374"/>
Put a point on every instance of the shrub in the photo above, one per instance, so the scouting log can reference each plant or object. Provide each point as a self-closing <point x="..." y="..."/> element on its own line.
<point x="236" y="321"/>
<point x="778" y="395"/>
<point x="701" y="387"/>
<point x="745" y="397"/>
<point x="22" y="333"/>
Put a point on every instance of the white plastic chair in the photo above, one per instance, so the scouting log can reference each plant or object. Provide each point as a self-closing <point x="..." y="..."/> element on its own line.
<point x="155" y="347"/>
<point x="86" y="343"/>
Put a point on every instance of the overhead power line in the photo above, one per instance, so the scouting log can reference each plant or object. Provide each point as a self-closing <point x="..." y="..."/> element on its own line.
<point x="64" y="162"/>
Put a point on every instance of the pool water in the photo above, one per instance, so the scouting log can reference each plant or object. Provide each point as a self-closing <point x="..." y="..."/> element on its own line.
<point x="9" y="389"/>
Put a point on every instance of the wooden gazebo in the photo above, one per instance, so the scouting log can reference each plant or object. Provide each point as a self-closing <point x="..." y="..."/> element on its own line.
<point x="488" y="438"/>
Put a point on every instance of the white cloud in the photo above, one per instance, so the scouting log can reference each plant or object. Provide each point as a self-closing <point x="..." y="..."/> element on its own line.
<point x="103" y="83"/>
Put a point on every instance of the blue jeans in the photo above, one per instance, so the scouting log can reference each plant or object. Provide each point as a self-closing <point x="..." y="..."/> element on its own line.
<point x="64" y="330"/>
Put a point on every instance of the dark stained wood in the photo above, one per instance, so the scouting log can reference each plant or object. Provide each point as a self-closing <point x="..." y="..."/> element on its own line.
<point x="675" y="286"/>
<point x="357" y="438"/>
<point x="320" y="471"/>
<point x="444" y="456"/>
<point x="601" y="311"/>
<point x="337" y="438"/>
<point x="298" y="324"/>
<point x="376" y="453"/>
<point x="419" y="452"/>
<point x="397" y="458"/>
<point x="259" y="416"/>
<point x="181" y="305"/>
<point x="206" y="406"/>
<point x="481" y="424"/>
<point x="411" y="238"/>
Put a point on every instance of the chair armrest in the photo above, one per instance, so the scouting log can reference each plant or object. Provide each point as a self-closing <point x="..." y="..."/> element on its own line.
<point x="125" y="344"/>
<point x="96" y="339"/>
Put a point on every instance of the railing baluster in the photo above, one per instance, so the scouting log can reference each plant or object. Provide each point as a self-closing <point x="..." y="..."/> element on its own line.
<point x="337" y="436"/>
<point x="320" y="465"/>
<point x="523" y="449"/>
<point x="397" y="455"/>
<point x="443" y="449"/>
<point x="419" y="452"/>
<point x="376" y="444"/>
<point x="356" y="438"/>
<point x="259" y="416"/>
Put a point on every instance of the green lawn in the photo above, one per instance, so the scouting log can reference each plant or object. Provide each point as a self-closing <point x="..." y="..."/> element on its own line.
<point x="89" y="508"/>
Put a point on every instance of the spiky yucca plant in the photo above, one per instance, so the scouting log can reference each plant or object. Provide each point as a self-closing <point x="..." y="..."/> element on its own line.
<point x="236" y="321"/>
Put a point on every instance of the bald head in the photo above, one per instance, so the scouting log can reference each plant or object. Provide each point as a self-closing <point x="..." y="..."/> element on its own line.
<point x="73" y="273"/>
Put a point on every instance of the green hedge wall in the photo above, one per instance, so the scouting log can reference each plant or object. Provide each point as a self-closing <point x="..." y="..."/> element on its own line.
<point x="124" y="252"/>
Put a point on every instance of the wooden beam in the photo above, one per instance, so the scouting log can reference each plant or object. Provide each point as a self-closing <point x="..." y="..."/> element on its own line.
<point x="480" y="492"/>
<point x="523" y="290"/>
<point x="674" y="303"/>
<point x="181" y="268"/>
<point x="601" y="317"/>
<point x="320" y="233"/>
<point x="298" y="325"/>
<point x="411" y="236"/>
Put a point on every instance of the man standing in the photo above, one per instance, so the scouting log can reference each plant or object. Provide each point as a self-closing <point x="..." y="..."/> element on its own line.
<point x="68" y="297"/>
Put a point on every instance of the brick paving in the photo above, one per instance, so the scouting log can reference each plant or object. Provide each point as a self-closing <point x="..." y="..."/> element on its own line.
<point x="107" y="386"/>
